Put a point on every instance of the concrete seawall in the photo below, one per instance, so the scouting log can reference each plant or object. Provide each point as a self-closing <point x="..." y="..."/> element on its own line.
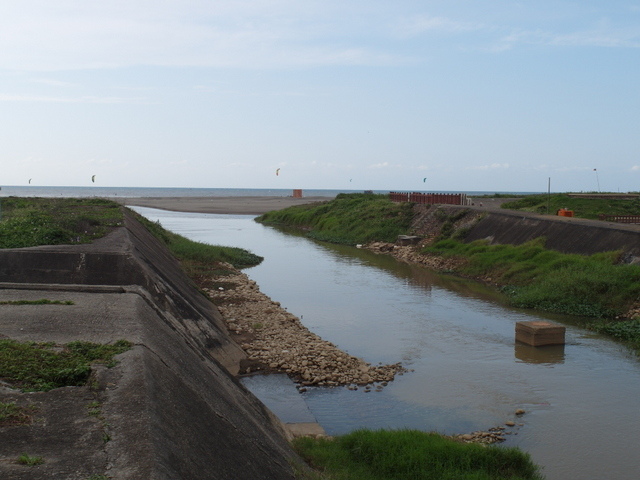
<point x="171" y="408"/>
<point x="564" y="234"/>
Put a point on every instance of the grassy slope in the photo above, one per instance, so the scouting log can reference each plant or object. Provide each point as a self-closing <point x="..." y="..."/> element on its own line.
<point x="349" y="219"/>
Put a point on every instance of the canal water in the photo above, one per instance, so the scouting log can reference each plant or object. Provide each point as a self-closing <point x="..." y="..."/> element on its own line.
<point x="581" y="399"/>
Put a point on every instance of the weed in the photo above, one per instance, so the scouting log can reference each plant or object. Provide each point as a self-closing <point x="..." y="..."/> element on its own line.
<point x="40" y="367"/>
<point x="94" y="408"/>
<point x="31" y="461"/>
<point x="12" y="414"/>
<point x="29" y="222"/>
<point x="98" y="477"/>
<point x="42" y="301"/>
<point x="383" y="454"/>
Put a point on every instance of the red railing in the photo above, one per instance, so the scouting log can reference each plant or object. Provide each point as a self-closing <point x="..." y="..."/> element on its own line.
<point x="620" y="218"/>
<point x="429" y="198"/>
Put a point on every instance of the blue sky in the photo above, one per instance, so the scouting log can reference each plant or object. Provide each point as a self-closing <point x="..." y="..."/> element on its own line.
<point x="471" y="95"/>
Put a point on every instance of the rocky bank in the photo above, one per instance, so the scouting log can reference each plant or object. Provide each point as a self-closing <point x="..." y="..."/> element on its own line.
<point x="277" y="341"/>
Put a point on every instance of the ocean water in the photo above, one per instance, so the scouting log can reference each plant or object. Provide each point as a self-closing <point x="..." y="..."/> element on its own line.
<point x="136" y="192"/>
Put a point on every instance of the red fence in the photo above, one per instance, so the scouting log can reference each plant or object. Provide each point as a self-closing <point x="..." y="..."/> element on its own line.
<point x="429" y="198"/>
<point x="621" y="218"/>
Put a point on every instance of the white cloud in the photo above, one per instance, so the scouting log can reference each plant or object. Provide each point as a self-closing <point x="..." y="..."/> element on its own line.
<point x="492" y="166"/>
<point x="82" y="99"/>
<point x="635" y="168"/>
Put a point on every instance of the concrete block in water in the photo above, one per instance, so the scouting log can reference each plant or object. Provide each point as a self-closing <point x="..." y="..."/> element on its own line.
<point x="540" y="333"/>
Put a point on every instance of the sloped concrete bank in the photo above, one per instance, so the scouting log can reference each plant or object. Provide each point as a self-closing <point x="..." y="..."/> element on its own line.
<point x="171" y="408"/>
<point x="564" y="234"/>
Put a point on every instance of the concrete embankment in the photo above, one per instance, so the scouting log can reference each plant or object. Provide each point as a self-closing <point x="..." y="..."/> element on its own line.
<point x="171" y="408"/>
<point x="564" y="234"/>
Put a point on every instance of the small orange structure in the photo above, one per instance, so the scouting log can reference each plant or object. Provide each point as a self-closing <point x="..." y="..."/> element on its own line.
<point x="539" y="333"/>
<point x="563" y="212"/>
<point x="297" y="193"/>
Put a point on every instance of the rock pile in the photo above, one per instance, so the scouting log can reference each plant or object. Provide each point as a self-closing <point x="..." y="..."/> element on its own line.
<point x="276" y="341"/>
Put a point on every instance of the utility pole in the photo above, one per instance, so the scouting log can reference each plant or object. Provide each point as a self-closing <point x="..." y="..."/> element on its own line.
<point x="597" y="179"/>
<point x="549" y="197"/>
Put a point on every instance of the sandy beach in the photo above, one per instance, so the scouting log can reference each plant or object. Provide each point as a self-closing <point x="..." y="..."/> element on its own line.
<point x="228" y="205"/>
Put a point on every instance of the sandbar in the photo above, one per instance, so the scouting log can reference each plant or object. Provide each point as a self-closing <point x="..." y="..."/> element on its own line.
<point x="226" y="205"/>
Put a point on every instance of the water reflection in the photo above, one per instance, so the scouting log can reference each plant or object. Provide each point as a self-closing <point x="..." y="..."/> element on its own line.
<point x="548" y="354"/>
<point x="580" y="398"/>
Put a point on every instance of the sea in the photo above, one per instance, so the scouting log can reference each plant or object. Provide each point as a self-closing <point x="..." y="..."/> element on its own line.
<point x="140" y="192"/>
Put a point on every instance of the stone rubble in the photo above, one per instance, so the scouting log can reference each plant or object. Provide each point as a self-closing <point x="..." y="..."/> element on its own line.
<point x="276" y="341"/>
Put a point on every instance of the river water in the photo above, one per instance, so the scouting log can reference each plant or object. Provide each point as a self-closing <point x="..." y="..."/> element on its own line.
<point x="581" y="399"/>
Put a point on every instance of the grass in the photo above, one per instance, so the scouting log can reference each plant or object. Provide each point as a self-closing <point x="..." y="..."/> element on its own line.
<point x="33" y="366"/>
<point x="201" y="261"/>
<point x="537" y="278"/>
<point x="582" y="207"/>
<point x="348" y="219"/>
<point x="12" y="414"/>
<point x="30" y="461"/>
<point x="411" y="454"/>
<point x="42" y="301"/>
<point x="29" y="222"/>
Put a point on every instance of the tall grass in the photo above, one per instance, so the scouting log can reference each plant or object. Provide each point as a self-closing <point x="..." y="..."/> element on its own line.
<point x="411" y="454"/>
<point x="535" y="277"/>
<point x="348" y="219"/>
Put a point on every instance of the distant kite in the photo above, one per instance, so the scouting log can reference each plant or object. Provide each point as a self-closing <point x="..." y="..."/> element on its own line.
<point x="277" y="172"/>
<point x="93" y="178"/>
<point x="30" y="180"/>
<point x="424" y="179"/>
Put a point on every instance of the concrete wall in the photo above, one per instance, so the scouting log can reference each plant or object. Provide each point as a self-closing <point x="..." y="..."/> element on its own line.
<point x="173" y="407"/>
<point x="567" y="235"/>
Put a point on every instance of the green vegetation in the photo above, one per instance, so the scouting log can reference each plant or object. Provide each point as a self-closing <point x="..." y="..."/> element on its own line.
<point x="348" y="219"/>
<point x="29" y="460"/>
<point x="535" y="277"/>
<point x="12" y="414"/>
<point x="44" y="366"/>
<point x="28" y="222"/>
<point x="42" y="301"/>
<point x="200" y="260"/>
<point x="582" y="207"/>
<point x="403" y="454"/>
<point x="625" y="330"/>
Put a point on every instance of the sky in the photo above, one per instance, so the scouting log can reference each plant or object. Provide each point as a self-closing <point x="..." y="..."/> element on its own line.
<point x="452" y="95"/>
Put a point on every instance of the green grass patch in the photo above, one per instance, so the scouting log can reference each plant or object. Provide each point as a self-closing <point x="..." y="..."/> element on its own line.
<point x="627" y="331"/>
<point x="33" y="366"/>
<point x="537" y="278"/>
<point x="582" y="207"/>
<point x="411" y="454"/>
<point x="30" y="460"/>
<point x="198" y="258"/>
<point x="42" y="301"/>
<point x="29" y="222"/>
<point x="12" y="414"/>
<point x="348" y="219"/>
